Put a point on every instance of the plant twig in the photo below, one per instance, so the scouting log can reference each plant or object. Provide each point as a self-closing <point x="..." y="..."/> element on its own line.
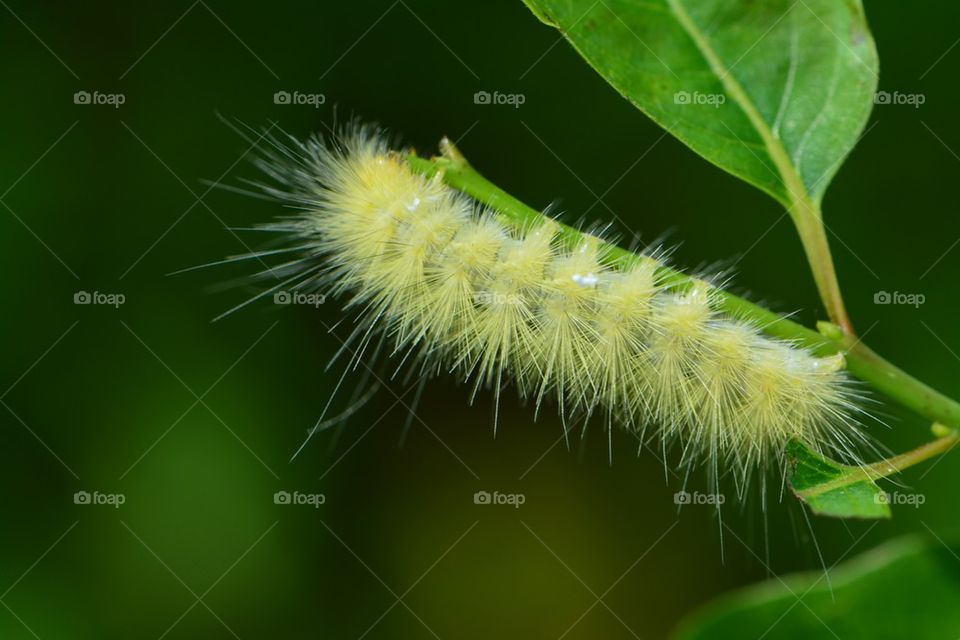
<point x="887" y="467"/>
<point x="861" y="361"/>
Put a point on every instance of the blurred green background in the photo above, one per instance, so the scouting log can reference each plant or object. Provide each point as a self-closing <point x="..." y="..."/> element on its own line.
<point x="194" y="422"/>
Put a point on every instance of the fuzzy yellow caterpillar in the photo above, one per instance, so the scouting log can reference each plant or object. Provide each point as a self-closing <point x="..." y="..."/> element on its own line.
<point x="449" y="286"/>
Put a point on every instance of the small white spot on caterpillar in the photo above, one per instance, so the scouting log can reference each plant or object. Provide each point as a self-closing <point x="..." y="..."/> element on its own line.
<point x="587" y="281"/>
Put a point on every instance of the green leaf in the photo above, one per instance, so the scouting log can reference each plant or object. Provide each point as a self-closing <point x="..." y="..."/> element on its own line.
<point x="773" y="91"/>
<point x="907" y="588"/>
<point x="834" y="489"/>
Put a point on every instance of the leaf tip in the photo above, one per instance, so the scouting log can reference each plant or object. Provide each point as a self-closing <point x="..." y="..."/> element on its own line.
<point x="541" y="13"/>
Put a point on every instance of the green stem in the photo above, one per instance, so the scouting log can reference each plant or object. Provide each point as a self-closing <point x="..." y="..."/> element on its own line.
<point x="861" y="361"/>
<point x="885" y="468"/>
<point x="808" y="220"/>
<point x="898" y="463"/>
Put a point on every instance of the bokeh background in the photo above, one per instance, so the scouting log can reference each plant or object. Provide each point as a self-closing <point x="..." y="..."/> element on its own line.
<point x="194" y="423"/>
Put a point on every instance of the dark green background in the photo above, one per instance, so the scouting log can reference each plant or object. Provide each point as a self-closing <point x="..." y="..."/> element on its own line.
<point x="107" y="199"/>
